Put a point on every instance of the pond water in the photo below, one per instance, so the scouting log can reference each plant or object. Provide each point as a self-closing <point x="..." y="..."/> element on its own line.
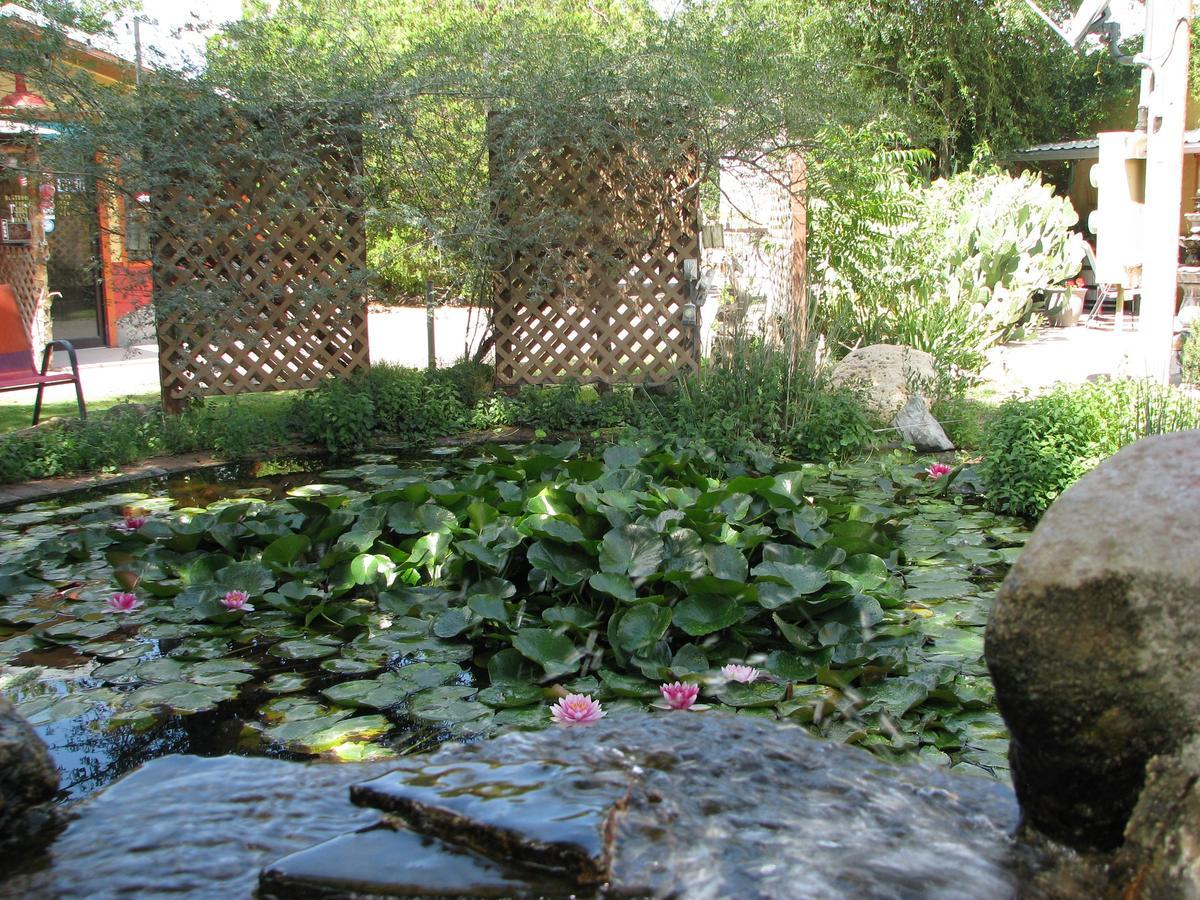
<point x="393" y="604"/>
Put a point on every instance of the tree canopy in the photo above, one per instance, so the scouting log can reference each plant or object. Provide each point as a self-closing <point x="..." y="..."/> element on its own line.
<point x="414" y="82"/>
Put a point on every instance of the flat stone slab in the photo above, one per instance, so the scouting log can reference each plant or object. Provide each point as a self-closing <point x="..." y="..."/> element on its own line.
<point x="715" y="805"/>
<point x="546" y="813"/>
<point x="388" y="862"/>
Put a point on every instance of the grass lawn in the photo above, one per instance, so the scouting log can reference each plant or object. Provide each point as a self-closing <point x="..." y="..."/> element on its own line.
<point x="16" y="416"/>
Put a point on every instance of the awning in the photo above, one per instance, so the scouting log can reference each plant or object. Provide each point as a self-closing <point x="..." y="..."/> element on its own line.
<point x="8" y="126"/>
<point x="1086" y="148"/>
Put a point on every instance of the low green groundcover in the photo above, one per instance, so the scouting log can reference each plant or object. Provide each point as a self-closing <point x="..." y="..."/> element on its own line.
<point x="399" y="604"/>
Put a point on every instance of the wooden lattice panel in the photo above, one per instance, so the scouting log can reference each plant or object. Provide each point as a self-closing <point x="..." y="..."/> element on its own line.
<point x="19" y="267"/>
<point x="602" y="301"/>
<point x="260" y="282"/>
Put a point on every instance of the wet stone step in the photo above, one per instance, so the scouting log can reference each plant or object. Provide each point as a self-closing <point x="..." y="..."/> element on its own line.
<point x="546" y="813"/>
<point x="681" y="804"/>
<point x="385" y="862"/>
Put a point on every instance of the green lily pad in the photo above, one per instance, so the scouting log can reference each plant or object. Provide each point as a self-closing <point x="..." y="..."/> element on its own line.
<point x="181" y="697"/>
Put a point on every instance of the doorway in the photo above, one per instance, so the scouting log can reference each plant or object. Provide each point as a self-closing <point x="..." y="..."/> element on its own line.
<point x="73" y="264"/>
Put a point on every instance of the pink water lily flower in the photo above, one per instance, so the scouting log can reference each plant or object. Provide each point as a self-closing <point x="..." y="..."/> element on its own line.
<point x="123" y="602"/>
<point x="237" y="601"/>
<point x="131" y="524"/>
<point x="680" y="695"/>
<point x="744" y="674"/>
<point x="937" y="470"/>
<point x="576" y="709"/>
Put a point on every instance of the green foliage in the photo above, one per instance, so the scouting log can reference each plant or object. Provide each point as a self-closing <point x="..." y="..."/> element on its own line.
<point x="128" y="433"/>
<point x="344" y="414"/>
<point x="1190" y="356"/>
<point x="1037" y="448"/>
<point x="496" y="411"/>
<point x="462" y="593"/>
<point x="833" y="426"/>
<point x="949" y="268"/>
<point x="967" y="72"/>
<point x="470" y="381"/>
<point x="1034" y="449"/>
<point x="235" y="427"/>
<point x="749" y="395"/>
<point x="569" y="407"/>
<point x="120" y="436"/>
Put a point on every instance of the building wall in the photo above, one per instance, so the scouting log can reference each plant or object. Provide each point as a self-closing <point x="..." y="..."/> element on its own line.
<point x="127" y="282"/>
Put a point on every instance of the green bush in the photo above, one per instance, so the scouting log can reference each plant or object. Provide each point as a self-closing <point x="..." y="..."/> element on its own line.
<point x="344" y="414"/>
<point x="120" y="436"/>
<point x="339" y="414"/>
<point x="496" y="411"/>
<point x="234" y="427"/>
<point x="571" y="408"/>
<point x="1190" y="358"/>
<point x="749" y="398"/>
<point x="834" y="426"/>
<point x="1035" y="448"/>
<point x="470" y="381"/>
<point x="948" y="268"/>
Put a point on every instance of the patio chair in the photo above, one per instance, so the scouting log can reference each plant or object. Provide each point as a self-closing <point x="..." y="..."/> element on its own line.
<point x="1118" y="293"/>
<point x="17" y="370"/>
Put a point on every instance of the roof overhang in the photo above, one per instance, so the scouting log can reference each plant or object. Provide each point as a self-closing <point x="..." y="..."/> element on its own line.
<point x="1086" y="148"/>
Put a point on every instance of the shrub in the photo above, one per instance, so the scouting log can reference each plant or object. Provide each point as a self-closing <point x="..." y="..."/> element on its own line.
<point x="495" y="411"/>
<point x="1034" y="449"/>
<point x="103" y="443"/>
<point x="568" y="407"/>
<point x="339" y="414"/>
<point x="749" y="397"/>
<point x="343" y="414"/>
<point x="470" y="381"/>
<point x="1190" y="357"/>
<point x="949" y="268"/>
<point x="234" y="428"/>
<point x="834" y="426"/>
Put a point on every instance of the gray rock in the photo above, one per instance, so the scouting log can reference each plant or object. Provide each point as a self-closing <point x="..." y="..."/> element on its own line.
<point x="918" y="427"/>
<point x="698" y="805"/>
<point x="884" y="376"/>
<point x="1161" y="854"/>
<point x="193" y="828"/>
<point x="1092" y="640"/>
<point x="386" y="861"/>
<point x="28" y="783"/>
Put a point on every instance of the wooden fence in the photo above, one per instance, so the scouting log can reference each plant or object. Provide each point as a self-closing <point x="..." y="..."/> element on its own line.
<point x="260" y="281"/>
<point x="603" y="300"/>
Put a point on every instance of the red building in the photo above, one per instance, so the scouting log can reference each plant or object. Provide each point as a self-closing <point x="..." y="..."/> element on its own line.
<point x="77" y="254"/>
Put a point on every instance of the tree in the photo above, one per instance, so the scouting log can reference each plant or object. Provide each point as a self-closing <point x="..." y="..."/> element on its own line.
<point x="963" y="72"/>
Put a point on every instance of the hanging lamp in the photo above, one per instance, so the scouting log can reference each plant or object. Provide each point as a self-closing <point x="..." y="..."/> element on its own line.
<point x="21" y="97"/>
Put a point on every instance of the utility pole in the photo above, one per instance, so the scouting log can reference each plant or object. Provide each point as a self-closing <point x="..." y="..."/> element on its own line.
<point x="1164" y="95"/>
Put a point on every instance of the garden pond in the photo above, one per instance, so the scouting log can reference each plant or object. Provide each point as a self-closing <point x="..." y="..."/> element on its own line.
<point x="388" y="605"/>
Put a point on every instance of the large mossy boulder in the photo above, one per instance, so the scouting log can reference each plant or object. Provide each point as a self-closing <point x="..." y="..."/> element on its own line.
<point x="1092" y="642"/>
<point x="28" y="783"/>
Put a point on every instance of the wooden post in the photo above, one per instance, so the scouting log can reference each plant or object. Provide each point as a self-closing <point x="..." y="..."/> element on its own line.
<point x="799" y="263"/>
<point x="42" y="326"/>
<point x="430" y="325"/>
<point x="1166" y="46"/>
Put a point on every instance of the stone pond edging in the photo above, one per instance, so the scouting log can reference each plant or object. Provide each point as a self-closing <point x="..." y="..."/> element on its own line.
<point x="160" y="466"/>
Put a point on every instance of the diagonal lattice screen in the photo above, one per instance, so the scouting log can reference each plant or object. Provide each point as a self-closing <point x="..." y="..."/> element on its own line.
<point x="602" y="301"/>
<point x="260" y="281"/>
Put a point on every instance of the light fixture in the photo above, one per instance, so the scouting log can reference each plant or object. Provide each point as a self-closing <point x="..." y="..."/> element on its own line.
<point x="21" y="97"/>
